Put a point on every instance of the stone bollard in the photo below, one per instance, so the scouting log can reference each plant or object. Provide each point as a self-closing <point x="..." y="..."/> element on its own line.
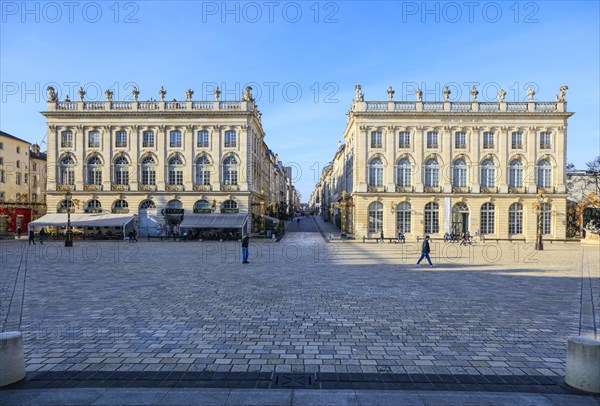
<point x="583" y="364"/>
<point x="12" y="358"/>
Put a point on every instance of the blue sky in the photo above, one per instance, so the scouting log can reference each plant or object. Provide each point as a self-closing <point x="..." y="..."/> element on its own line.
<point x="303" y="59"/>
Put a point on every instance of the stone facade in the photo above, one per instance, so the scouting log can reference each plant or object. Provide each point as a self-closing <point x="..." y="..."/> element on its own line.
<point x="435" y="167"/>
<point x="174" y="157"/>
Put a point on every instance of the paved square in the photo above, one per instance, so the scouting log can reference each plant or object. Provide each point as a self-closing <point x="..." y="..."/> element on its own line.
<point x="301" y="305"/>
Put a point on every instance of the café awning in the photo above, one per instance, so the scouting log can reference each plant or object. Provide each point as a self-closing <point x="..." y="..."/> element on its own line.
<point x="214" y="220"/>
<point x="83" y="220"/>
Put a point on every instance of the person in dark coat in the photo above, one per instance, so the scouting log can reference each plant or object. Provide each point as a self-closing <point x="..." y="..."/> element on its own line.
<point x="42" y="236"/>
<point x="31" y="237"/>
<point x="425" y="250"/>
<point x="245" y="243"/>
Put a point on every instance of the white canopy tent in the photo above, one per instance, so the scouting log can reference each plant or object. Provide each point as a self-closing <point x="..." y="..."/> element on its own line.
<point x="214" y="220"/>
<point x="86" y="220"/>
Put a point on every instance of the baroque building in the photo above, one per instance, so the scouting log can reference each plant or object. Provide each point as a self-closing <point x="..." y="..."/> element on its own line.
<point x="427" y="168"/>
<point x="162" y="159"/>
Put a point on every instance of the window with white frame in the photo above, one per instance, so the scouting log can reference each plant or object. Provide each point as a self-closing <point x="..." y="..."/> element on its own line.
<point x="432" y="173"/>
<point x="230" y="170"/>
<point x="66" y="139"/>
<point x="93" y="205"/>
<point x="488" y="218"/>
<point x="67" y="171"/>
<point x="375" y="217"/>
<point x="203" y="139"/>
<point x="376" y="139"/>
<point x="147" y="204"/>
<point x="516" y="140"/>
<point x="121" y="139"/>
<point x="546" y="218"/>
<point x="94" y="171"/>
<point x="18" y="178"/>
<point x="230" y="138"/>
<point x="94" y="139"/>
<point x="148" y="139"/>
<point x="459" y="173"/>
<point x="121" y="176"/>
<point x="460" y="140"/>
<point x="34" y="180"/>
<point x="230" y="204"/>
<point x="120" y="205"/>
<point x="488" y="140"/>
<point x="175" y="140"/>
<point x="488" y="173"/>
<point x="404" y="140"/>
<point x="432" y="139"/>
<point x="25" y="178"/>
<point x="545" y="140"/>
<point x="403" y="217"/>
<point x="515" y="174"/>
<point x="432" y="218"/>
<point x="175" y="171"/>
<point x="203" y="170"/>
<point x="544" y="174"/>
<point x="404" y="178"/>
<point x="148" y="171"/>
<point x="376" y="172"/>
<point x="515" y="218"/>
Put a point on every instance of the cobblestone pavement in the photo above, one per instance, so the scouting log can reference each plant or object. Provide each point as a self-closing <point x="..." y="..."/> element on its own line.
<point x="300" y="306"/>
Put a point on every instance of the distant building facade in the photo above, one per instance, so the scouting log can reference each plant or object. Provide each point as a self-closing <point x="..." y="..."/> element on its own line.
<point x="22" y="183"/>
<point x="162" y="159"/>
<point x="427" y="168"/>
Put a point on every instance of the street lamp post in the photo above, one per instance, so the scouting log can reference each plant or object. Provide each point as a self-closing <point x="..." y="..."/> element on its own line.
<point x="539" y="244"/>
<point x="69" y="234"/>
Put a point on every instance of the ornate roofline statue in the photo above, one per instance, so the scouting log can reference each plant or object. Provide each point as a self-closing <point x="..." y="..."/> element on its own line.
<point x="530" y="93"/>
<point x="81" y="93"/>
<point x="109" y="94"/>
<point x="217" y="93"/>
<point x="162" y="93"/>
<point x="390" y="93"/>
<point x="188" y="94"/>
<point x="501" y="95"/>
<point x="135" y="93"/>
<point x="447" y="93"/>
<point x="474" y="93"/>
<point x="52" y="96"/>
<point x="561" y="97"/>
<point x="419" y="94"/>
<point x="247" y="96"/>
<point x="358" y="95"/>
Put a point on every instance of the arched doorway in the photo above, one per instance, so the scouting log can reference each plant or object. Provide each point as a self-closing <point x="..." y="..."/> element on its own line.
<point x="174" y="214"/>
<point x="460" y="218"/>
<point x="148" y="220"/>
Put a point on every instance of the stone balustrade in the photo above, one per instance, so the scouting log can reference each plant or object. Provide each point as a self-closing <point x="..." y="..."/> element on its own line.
<point x="179" y="106"/>
<point x="459" y="107"/>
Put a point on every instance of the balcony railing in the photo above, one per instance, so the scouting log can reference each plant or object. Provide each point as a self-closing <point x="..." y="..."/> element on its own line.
<point x="545" y="146"/>
<point x="489" y="189"/>
<point x="432" y="189"/>
<point x="405" y="145"/>
<point x="460" y="146"/>
<point x="64" y="187"/>
<point x="147" y="188"/>
<point x="91" y="187"/>
<point x="517" y="146"/>
<point x="203" y="188"/>
<point x="66" y="144"/>
<point x="115" y="187"/>
<point x="230" y="188"/>
<point x="404" y="189"/>
<point x="461" y="189"/>
<point x="121" y="144"/>
<point x="375" y="145"/>
<point x="203" y="145"/>
<point x="432" y="145"/>
<point x="546" y="190"/>
<point x="148" y="145"/>
<point x="488" y="146"/>
<point x="174" y="188"/>
<point x="513" y="189"/>
<point x="150" y="106"/>
<point x="230" y="144"/>
<point x="376" y="189"/>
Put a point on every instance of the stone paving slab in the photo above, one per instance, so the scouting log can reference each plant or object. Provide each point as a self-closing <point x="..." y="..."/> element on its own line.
<point x="301" y="305"/>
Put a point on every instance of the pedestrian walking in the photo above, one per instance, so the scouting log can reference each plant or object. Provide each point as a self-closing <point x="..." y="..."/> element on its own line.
<point x="19" y="231"/>
<point x="134" y="234"/>
<point x="298" y="220"/>
<point x="245" y="253"/>
<point x="31" y="237"/>
<point x="42" y="236"/>
<point x="381" y="237"/>
<point x="425" y="250"/>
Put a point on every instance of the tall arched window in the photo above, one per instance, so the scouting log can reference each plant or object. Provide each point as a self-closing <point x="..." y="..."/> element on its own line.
<point x="229" y="204"/>
<point x="65" y="205"/>
<point x="148" y="171"/>
<point x="93" y="206"/>
<point x="515" y="173"/>
<point x="432" y="218"/>
<point x="67" y="170"/>
<point x="403" y="217"/>
<point x="404" y="177"/>
<point x="175" y="170"/>
<point x="459" y="173"/>
<point x="488" y="218"/>
<point x="121" y="171"/>
<point x="202" y="206"/>
<point x="432" y="173"/>
<point x="376" y="172"/>
<point x="515" y="218"/>
<point x="546" y="218"/>
<point x="94" y="171"/>
<point x="230" y="170"/>
<point x="488" y="173"/>
<point x="202" y="171"/>
<point x="544" y="173"/>
<point x="375" y="217"/>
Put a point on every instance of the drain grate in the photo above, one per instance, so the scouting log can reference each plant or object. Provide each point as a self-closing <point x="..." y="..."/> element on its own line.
<point x="298" y="380"/>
